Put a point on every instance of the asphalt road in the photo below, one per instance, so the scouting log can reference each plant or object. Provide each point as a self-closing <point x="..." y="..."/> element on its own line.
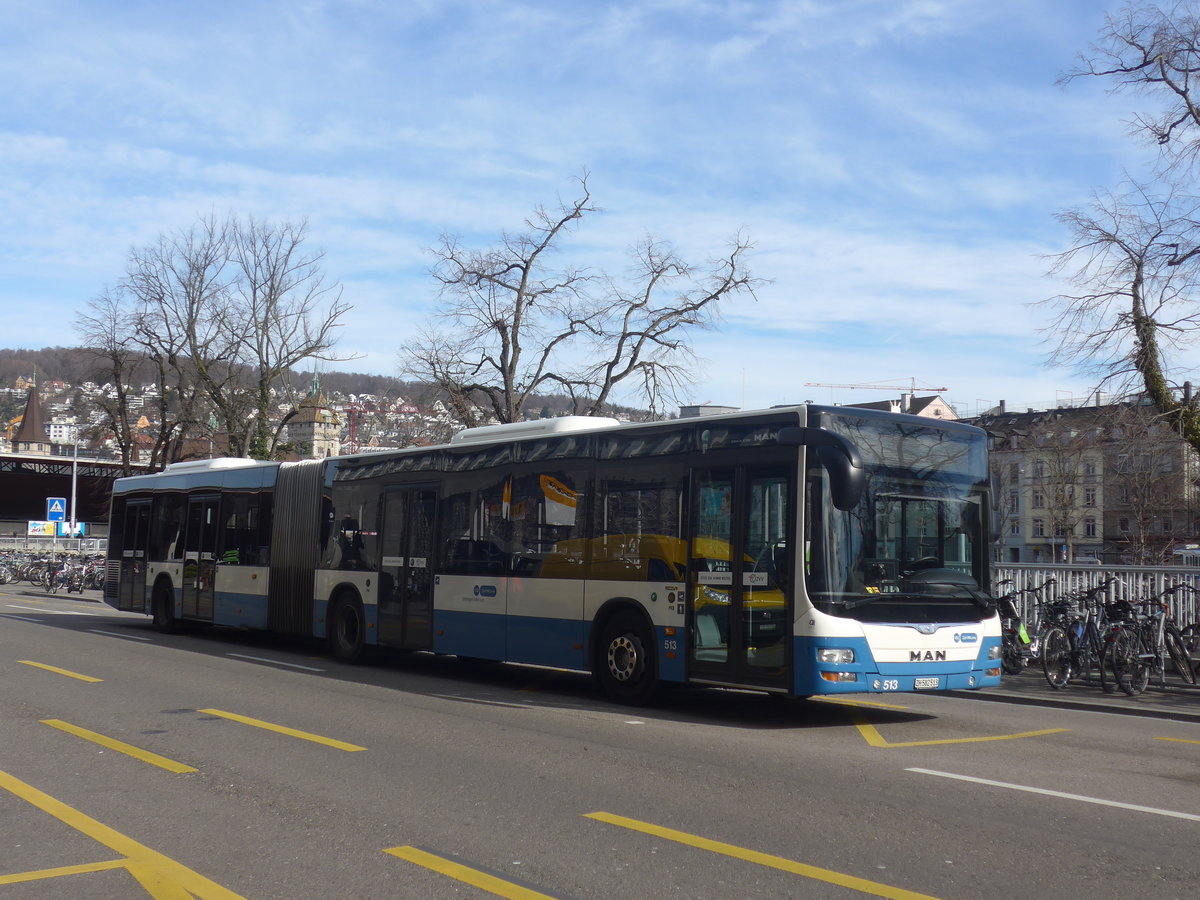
<point x="220" y="764"/>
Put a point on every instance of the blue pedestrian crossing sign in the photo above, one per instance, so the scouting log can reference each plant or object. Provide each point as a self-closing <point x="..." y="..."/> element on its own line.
<point x="56" y="509"/>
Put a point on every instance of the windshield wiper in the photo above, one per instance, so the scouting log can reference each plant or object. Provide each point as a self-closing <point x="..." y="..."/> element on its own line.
<point x="981" y="600"/>
<point x="865" y="601"/>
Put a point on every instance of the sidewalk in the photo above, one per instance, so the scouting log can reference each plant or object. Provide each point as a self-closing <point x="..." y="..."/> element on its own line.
<point x="1176" y="701"/>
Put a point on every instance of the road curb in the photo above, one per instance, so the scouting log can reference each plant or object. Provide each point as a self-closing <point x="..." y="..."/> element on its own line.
<point x="1176" y="705"/>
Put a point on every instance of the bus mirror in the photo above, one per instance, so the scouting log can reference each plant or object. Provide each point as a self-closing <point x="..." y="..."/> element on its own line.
<point x="837" y="456"/>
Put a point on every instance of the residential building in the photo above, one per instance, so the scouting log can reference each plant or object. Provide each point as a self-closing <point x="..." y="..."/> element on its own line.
<point x="1113" y="483"/>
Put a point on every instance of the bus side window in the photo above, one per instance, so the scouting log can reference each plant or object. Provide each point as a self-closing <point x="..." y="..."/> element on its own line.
<point x="547" y="522"/>
<point x="639" y="521"/>
<point x="166" y="530"/>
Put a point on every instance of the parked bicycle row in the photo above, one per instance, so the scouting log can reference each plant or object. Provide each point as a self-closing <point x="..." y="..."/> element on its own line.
<point x="53" y="572"/>
<point x="1087" y="634"/>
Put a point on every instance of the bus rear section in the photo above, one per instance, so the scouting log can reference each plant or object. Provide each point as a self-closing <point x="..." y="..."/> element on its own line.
<point x="194" y="543"/>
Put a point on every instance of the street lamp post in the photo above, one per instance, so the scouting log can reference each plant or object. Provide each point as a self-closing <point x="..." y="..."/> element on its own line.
<point x="74" y="476"/>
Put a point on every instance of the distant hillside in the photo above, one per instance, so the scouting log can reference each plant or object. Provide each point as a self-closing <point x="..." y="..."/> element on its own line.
<point x="75" y="365"/>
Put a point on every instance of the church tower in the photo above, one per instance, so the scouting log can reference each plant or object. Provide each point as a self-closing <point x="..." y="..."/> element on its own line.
<point x="31" y="436"/>
<point x="314" y="427"/>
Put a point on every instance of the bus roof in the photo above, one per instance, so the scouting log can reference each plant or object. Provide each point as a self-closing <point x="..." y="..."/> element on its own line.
<point x="218" y="473"/>
<point x="532" y="428"/>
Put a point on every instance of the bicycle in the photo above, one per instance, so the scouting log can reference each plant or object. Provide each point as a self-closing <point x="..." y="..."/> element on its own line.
<point x="1074" y="644"/>
<point x="1141" y="649"/>
<point x="1017" y="646"/>
<point x="54" y="577"/>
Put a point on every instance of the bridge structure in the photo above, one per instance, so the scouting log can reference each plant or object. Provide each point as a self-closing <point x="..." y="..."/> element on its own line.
<point x="28" y="480"/>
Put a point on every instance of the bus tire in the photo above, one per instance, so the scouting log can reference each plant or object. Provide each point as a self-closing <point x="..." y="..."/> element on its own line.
<point x="347" y="629"/>
<point x="625" y="663"/>
<point x="162" y="609"/>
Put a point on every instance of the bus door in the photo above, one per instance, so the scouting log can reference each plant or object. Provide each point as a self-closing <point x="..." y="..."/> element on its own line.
<point x="406" y="537"/>
<point x="131" y="588"/>
<point x="739" y="578"/>
<point x="200" y="558"/>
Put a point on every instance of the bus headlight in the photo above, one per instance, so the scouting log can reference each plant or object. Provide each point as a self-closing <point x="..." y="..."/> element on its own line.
<point x="835" y="655"/>
<point x="994" y="652"/>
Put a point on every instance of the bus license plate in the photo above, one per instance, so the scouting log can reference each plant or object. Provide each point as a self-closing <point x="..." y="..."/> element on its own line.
<point x="925" y="684"/>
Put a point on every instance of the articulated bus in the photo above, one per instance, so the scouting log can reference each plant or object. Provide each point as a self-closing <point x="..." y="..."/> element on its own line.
<point x="800" y="550"/>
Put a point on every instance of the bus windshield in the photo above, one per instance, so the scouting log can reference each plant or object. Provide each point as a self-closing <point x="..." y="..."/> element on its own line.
<point x="914" y="548"/>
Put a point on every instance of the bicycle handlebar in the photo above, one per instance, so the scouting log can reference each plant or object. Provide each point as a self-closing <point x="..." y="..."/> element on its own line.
<point x="1174" y="589"/>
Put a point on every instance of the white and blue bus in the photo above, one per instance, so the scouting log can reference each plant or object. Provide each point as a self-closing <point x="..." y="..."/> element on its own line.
<point x="801" y="550"/>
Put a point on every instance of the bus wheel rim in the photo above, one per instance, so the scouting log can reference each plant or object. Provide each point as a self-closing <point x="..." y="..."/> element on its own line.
<point x="623" y="658"/>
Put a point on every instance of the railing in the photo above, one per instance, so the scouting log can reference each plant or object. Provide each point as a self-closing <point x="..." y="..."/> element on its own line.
<point x="54" y="545"/>
<point x="1133" y="583"/>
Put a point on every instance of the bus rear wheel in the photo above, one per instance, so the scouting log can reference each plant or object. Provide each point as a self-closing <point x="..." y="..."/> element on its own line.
<point x="625" y="664"/>
<point x="347" y="630"/>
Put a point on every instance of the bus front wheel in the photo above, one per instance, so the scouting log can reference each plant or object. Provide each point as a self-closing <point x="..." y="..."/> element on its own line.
<point x="347" y="630"/>
<point x="625" y="664"/>
<point x="162" y="609"/>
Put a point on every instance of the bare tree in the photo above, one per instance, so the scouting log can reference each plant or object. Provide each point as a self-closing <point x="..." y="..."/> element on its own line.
<point x="224" y="309"/>
<point x="1057" y="472"/>
<point x="642" y="334"/>
<point x="181" y="290"/>
<point x="105" y="330"/>
<point x="1155" y="52"/>
<point x="1006" y="483"/>
<point x="511" y="325"/>
<point x="283" y="309"/>
<point x="1134" y="258"/>
<point x="1132" y="305"/>
<point x="1150" y="477"/>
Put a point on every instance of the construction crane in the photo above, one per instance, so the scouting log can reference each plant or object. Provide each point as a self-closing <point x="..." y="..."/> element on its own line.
<point x="876" y="387"/>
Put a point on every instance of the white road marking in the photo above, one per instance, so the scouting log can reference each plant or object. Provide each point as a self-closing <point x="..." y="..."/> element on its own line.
<point x="274" y="662"/>
<point x="1061" y="795"/>
<point x="131" y="637"/>
<point x="53" y="612"/>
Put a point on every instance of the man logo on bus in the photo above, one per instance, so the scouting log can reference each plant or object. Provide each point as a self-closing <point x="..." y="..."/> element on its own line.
<point x="926" y="655"/>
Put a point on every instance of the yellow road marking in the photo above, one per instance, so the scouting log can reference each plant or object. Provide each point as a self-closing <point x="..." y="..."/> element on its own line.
<point x="1177" y="740"/>
<point x="875" y="739"/>
<point x="490" y="883"/>
<point x="58" y="671"/>
<point x="85" y="869"/>
<point x="160" y="875"/>
<point x="283" y="729"/>
<point x="847" y="702"/>
<point x="763" y="859"/>
<point x="121" y="747"/>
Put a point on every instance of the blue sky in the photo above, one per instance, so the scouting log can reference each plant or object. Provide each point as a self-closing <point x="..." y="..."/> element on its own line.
<point x="897" y="163"/>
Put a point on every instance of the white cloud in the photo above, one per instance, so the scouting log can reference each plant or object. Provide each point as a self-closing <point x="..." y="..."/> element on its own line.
<point x="895" y="161"/>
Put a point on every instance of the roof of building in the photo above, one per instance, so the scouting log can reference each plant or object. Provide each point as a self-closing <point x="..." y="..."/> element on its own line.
<point x="314" y="409"/>
<point x="33" y="423"/>
<point x="933" y="406"/>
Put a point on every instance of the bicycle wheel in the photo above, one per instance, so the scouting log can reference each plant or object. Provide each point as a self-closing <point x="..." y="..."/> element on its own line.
<point x="1010" y="654"/>
<point x="1132" y="673"/>
<point x="1108" y="678"/>
<point x="1191" y="638"/>
<point x="1177" y="650"/>
<point x="1090" y="654"/>
<point x="1056" y="657"/>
